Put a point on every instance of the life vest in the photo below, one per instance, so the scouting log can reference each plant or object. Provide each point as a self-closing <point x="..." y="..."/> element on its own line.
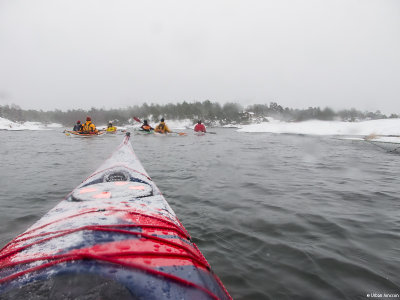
<point x="146" y="127"/>
<point x="88" y="127"/>
<point x="200" y="127"/>
<point x="162" y="128"/>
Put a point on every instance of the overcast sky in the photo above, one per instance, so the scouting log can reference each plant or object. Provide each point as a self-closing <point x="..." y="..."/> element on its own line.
<point x="114" y="53"/>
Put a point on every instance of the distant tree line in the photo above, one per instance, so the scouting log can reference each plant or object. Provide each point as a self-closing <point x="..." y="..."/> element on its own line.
<point x="314" y="113"/>
<point x="209" y="112"/>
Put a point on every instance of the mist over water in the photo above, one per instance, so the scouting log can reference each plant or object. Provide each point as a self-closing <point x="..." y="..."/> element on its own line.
<point x="276" y="216"/>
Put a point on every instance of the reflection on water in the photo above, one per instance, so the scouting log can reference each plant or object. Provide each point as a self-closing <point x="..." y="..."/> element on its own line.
<point x="277" y="216"/>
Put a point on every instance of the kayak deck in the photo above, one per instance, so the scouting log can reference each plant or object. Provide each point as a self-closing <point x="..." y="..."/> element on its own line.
<point x="116" y="226"/>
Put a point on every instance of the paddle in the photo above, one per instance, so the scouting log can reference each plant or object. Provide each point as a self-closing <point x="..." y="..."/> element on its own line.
<point x="370" y="137"/>
<point x="209" y="132"/>
<point x="180" y="133"/>
<point x="374" y="136"/>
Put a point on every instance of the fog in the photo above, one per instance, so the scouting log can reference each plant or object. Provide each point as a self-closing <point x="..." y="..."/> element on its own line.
<point x="96" y="53"/>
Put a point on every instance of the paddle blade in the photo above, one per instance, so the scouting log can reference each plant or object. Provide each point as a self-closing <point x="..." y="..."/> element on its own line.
<point x="370" y="137"/>
<point x="137" y="119"/>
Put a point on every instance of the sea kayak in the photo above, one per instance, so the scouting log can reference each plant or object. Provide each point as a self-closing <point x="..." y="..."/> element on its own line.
<point x="80" y="134"/>
<point x="113" y="237"/>
<point x="144" y="132"/>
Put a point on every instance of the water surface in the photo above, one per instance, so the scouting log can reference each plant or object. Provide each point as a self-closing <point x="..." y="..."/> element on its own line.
<point x="277" y="216"/>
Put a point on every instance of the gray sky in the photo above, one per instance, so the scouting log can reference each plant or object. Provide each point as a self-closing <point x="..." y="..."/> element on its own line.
<point x="113" y="53"/>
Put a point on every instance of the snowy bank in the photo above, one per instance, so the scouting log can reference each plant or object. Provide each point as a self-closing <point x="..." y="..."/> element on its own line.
<point x="316" y="127"/>
<point x="10" y="125"/>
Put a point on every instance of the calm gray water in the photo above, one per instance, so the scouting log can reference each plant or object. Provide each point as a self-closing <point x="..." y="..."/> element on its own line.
<point x="277" y="216"/>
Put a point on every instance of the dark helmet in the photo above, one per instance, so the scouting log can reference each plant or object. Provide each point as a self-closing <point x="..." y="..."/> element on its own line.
<point x="88" y="119"/>
<point x="162" y="120"/>
<point x="145" y="122"/>
<point x="78" y="122"/>
<point x="199" y="121"/>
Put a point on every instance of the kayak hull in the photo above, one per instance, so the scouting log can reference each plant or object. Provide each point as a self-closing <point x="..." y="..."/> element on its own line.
<point x="153" y="133"/>
<point x="79" y="134"/>
<point x="115" y="229"/>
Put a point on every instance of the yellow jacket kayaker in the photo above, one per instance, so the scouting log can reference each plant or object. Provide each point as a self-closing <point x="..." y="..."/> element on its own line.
<point x="89" y="127"/>
<point x="162" y="128"/>
<point x="111" y="128"/>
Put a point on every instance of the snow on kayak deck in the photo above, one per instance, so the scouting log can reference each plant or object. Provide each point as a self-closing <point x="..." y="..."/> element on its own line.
<point x="94" y="201"/>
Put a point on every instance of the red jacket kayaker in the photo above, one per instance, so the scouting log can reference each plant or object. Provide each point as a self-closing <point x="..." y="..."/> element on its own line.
<point x="200" y="127"/>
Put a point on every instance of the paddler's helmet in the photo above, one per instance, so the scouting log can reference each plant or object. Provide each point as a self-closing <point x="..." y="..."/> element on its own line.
<point x="199" y="121"/>
<point x="88" y="119"/>
<point x="162" y="120"/>
<point x="78" y="122"/>
<point x="145" y="122"/>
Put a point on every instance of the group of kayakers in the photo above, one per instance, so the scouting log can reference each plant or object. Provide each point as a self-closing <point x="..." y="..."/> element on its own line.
<point x="89" y="127"/>
<point x="163" y="128"/>
<point x="160" y="128"/>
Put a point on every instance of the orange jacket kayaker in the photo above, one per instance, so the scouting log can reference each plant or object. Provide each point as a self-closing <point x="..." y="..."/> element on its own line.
<point x="162" y="128"/>
<point x="146" y="126"/>
<point x="89" y="127"/>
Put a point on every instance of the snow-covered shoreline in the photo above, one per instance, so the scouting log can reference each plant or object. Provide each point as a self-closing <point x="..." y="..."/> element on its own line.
<point x="317" y="127"/>
<point x="312" y="127"/>
<point x="6" y="124"/>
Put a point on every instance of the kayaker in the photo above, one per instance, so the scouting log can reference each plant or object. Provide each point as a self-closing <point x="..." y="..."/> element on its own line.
<point x="111" y="128"/>
<point x="146" y="127"/>
<point x="199" y="127"/>
<point x="78" y="126"/>
<point x="89" y="127"/>
<point x="162" y="127"/>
